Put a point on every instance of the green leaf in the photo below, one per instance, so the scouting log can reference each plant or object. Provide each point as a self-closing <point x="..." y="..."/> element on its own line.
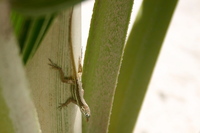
<point x="140" y="55"/>
<point x="103" y="59"/>
<point x="6" y="125"/>
<point x="41" y="7"/>
<point x="31" y="20"/>
<point x="30" y="32"/>
<point x="16" y="103"/>
<point x="47" y="89"/>
<point x="33" y="38"/>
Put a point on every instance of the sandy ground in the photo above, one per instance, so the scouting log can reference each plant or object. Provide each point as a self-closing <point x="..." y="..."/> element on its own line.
<point x="172" y="103"/>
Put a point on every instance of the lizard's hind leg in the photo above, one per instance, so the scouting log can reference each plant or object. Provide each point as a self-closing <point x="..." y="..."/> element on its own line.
<point x="62" y="77"/>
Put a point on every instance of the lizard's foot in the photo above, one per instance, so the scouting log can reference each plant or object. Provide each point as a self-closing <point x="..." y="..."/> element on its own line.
<point x="53" y="65"/>
<point x="66" y="103"/>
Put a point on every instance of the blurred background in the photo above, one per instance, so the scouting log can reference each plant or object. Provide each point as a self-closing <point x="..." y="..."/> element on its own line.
<point x="172" y="101"/>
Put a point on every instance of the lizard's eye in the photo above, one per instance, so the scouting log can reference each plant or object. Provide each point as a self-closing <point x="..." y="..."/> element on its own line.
<point x="87" y="115"/>
<point x="86" y="112"/>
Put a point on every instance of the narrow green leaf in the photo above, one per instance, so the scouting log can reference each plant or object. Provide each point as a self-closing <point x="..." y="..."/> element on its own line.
<point x="139" y="59"/>
<point x="41" y="7"/>
<point x="30" y="32"/>
<point x="36" y="32"/>
<point x="103" y="58"/>
<point x="21" y="27"/>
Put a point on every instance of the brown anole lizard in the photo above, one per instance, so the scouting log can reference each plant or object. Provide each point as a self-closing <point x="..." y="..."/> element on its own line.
<point x="77" y="92"/>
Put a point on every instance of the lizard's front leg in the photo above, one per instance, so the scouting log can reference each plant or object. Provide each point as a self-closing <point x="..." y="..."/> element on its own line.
<point x="62" y="77"/>
<point x="67" y="102"/>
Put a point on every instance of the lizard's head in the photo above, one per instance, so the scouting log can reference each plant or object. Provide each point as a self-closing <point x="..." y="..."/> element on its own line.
<point x="86" y="112"/>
